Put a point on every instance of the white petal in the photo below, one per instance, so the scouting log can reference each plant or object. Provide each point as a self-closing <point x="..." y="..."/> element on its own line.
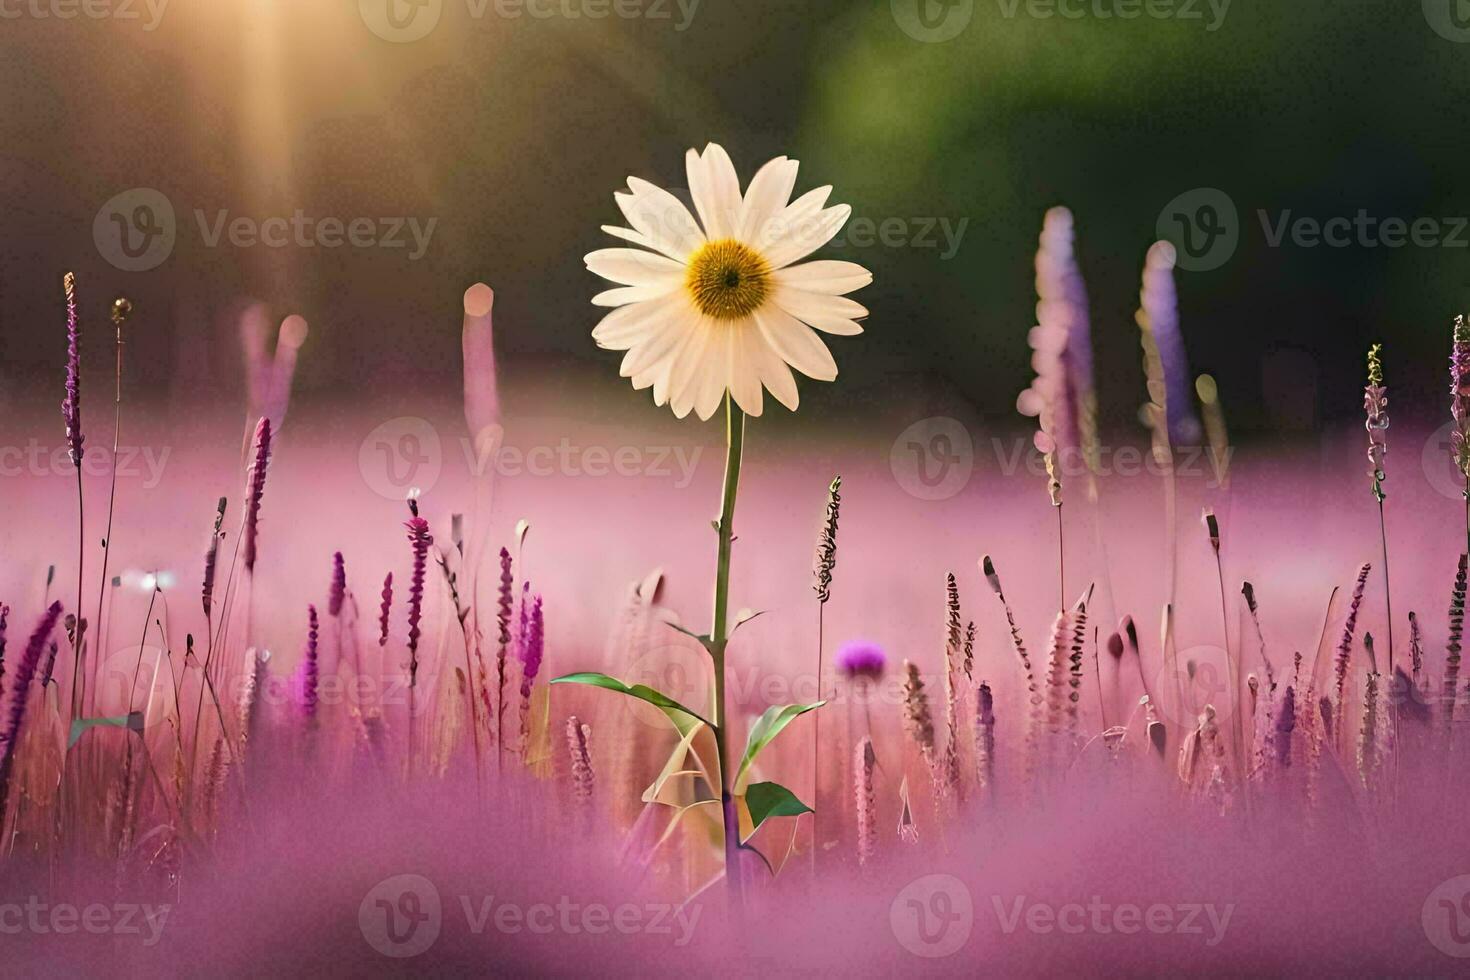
<point x="632" y="294"/>
<point x="627" y="325"/>
<point x="715" y="378"/>
<point x="634" y="266"/>
<point x="658" y="343"/>
<point x="628" y="235"/>
<point x="662" y="374"/>
<point x="774" y="373"/>
<point x="661" y="218"/>
<point x="713" y="373"/>
<point x="745" y="381"/>
<point x="796" y="343"/>
<point x="826" y="276"/>
<point x="622" y="328"/>
<point x="684" y="375"/>
<point x="657" y="374"/>
<point x="829" y="314"/>
<point x="715" y="189"/>
<point x="769" y="193"/>
<point x="806" y="235"/>
<point x="799" y="214"/>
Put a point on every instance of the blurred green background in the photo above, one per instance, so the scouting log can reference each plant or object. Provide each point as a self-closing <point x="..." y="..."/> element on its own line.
<point x="514" y="130"/>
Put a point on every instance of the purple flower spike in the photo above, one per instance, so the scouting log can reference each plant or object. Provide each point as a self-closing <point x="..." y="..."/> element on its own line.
<point x="257" y="489"/>
<point x="861" y="660"/>
<point x="310" y="666"/>
<point x="533" y="648"/>
<point x="384" y="609"/>
<point x="25" y="672"/>
<point x="71" y="406"/>
<point x="420" y="538"/>
<point x="338" y="593"/>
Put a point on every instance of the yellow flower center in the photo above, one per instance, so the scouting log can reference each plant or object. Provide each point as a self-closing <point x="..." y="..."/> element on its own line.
<point x="728" y="280"/>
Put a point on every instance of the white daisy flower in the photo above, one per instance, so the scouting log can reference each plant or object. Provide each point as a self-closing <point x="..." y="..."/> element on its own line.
<point x="718" y="304"/>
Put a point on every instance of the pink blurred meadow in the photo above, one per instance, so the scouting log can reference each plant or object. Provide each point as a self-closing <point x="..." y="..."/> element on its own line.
<point x="288" y="882"/>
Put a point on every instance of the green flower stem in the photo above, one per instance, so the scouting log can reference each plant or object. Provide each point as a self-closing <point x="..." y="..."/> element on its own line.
<point x="735" y="438"/>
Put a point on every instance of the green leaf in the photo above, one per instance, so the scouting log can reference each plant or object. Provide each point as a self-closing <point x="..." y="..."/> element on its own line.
<point x="765" y="800"/>
<point x="703" y="640"/>
<point x="132" y="721"/>
<point x="683" y="719"/>
<point x="771" y="724"/>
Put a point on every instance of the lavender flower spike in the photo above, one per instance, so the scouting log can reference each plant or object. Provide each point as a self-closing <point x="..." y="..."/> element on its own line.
<point x="1160" y="302"/>
<point x="310" y="667"/>
<point x="533" y="648"/>
<point x="256" y="489"/>
<point x="338" y="593"/>
<point x="1062" y="300"/>
<point x="24" y="674"/>
<point x="71" y="406"/>
<point x="384" y="609"/>
<point x="4" y="621"/>
<point x="1460" y="397"/>
<point x="420" y="539"/>
<point x="1375" y="406"/>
